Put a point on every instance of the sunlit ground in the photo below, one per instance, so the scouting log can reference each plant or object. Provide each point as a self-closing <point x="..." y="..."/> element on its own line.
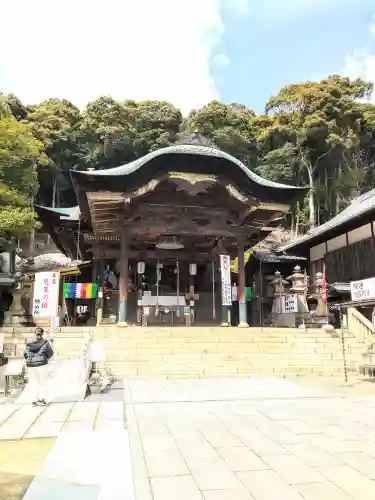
<point x="20" y="460"/>
<point x="356" y="387"/>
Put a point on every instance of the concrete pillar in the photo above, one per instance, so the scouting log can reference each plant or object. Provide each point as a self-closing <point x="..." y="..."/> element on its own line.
<point x="224" y="316"/>
<point x="242" y="285"/>
<point x="123" y="283"/>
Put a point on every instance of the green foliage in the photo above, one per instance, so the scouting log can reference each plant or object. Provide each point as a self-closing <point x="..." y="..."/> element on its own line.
<point x="229" y="126"/>
<point x="115" y="132"/>
<point x="55" y="123"/>
<point x="320" y="134"/>
<point x="19" y="153"/>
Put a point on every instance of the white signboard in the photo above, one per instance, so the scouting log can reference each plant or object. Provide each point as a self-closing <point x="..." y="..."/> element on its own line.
<point x="363" y="289"/>
<point x="289" y="304"/>
<point x="226" y="287"/>
<point x="46" y="294"/>
<point x="141" y="267"/>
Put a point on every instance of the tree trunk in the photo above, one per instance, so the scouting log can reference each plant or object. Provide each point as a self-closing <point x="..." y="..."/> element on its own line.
<point x="312" y="216"/>
<point x="53" y="201"/>
<point x="32" y="235"/>
<point x="338" y="199"/>
<point x="54" y="191"/>
<point x="297" y="218"/>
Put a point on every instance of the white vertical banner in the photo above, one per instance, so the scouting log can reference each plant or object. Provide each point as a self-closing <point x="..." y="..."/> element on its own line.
<point x="46" y="295"/>
<point x="226" y="286"/>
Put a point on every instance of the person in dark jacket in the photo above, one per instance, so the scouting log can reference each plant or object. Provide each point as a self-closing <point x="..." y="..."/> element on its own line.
<point x="37" y="355"/>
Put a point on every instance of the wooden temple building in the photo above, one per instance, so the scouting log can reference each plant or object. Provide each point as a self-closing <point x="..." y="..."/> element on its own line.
<point x="154" y="229"/>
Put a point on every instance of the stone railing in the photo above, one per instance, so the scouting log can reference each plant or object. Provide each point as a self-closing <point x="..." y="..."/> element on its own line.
<point x="360" y="327"/>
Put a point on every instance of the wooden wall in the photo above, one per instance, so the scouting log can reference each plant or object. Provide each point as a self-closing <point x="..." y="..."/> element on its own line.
<point x="353" y="262"/>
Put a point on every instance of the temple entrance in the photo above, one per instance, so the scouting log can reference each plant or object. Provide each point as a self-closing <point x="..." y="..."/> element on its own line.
<point x="167" y="292"/>
<point x="186" y="205"/>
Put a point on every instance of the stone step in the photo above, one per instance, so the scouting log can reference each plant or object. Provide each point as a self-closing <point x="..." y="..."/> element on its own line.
<point x="230" y="360"/>
<point x="213" y="351"/>
<point x="145" y="370"/>
<point x="187" y="333"/>
<point x="228" y="347"/>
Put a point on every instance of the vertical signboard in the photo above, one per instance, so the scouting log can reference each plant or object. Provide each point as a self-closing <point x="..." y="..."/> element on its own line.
<point x="46" y="295"/>
<point x="226" y="287"/>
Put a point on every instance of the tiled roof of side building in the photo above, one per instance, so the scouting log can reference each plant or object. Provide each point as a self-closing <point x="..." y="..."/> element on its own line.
<point x="71" y="213"/>
<point x="358" y="207"/>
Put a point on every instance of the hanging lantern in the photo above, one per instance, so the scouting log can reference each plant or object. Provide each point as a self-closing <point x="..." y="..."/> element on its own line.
<point x="169" y="243"/>
<point x="192" y="269"/>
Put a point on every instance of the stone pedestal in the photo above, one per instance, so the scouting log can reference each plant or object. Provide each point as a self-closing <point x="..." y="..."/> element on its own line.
<point x="16" y="313"/>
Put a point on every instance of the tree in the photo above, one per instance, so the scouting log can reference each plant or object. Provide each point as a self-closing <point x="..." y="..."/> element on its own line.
<point x="19" y="154"/>
<point x="116" y="132"/>
<point x="315" y="139"/>
<point x="55" y="123"/>
<point x="230" y="126"/>
<point x="156" y="124"/>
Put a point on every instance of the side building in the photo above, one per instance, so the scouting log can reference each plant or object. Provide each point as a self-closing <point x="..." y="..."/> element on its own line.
<point x="345" y="244"/>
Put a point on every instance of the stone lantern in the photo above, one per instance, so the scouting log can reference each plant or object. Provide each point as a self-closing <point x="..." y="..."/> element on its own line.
<point x="278" y="285"/>
<point x="298" y="281"/>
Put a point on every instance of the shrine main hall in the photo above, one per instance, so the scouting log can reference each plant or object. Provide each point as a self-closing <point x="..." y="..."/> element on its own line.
<point x="151" y="232"/>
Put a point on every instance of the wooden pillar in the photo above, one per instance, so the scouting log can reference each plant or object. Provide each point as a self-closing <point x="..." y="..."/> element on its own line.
<point x="123" y="283"/>
<point x="242" y="285"/>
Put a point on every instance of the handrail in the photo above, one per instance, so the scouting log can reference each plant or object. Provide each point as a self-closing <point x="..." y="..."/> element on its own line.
<point x="360" y="326"/>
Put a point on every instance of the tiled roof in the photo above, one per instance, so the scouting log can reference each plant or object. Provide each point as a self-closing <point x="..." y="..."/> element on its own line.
<point x="272" y="257"/>
<point x="71" y="213"/>
<point x="359" y="206"/>
<point x="187" y="149"/>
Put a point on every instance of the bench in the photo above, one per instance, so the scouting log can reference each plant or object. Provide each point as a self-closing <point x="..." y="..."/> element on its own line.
<point x="15" y="368"/>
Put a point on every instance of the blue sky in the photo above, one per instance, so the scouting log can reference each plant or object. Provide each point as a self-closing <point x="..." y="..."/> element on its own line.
<point x="269" y="47"/>
<point x="188" y="52"/>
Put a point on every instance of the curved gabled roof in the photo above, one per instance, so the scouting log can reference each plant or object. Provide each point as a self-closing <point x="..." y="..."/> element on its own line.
<point x="180" y="157"/>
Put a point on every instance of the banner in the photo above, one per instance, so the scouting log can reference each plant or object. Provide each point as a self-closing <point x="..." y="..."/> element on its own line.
<point x="46" y="294"/>
<point x="80" y="290"/>
<point x="324" y="285"/>
<point x="226" y="287"/>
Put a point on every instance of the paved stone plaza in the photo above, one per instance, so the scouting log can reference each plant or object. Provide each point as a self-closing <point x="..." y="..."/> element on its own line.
<point x="231" y="439"/>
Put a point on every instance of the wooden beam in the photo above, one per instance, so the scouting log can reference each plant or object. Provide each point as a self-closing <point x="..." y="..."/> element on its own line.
<point x="154" y="255"/>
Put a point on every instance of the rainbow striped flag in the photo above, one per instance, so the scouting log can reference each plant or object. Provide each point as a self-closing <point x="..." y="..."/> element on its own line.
<point x="80" y="290"/>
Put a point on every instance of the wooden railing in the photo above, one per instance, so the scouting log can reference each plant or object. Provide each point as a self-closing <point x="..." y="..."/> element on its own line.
<point x="360" y="327"/>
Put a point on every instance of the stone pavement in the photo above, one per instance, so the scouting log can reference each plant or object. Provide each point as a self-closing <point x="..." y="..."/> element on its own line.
<point x="67" y="381"/>
<point x="263" y="439"/>
<point x="207" y="439"/>
<point x="90" y="459"/>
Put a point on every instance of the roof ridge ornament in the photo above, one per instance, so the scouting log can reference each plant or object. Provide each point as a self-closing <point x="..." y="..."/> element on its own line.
<point x="196" y="139"/>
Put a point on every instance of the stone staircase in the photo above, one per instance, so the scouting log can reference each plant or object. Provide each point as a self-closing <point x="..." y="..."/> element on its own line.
<point x="213" y="351"/>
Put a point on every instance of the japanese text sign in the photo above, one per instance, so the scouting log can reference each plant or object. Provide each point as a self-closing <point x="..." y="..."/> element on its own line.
<point x="226" y="286"/>
<point x="46" y="294"/>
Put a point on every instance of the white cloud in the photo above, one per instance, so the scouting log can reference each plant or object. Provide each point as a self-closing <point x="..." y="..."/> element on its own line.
<point x="361" y="63"/>
<point x="219" y="61"/>
<point x="130" y="49"/>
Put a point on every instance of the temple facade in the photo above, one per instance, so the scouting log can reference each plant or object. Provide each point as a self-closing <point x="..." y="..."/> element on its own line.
<point x="153" y="231"/>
